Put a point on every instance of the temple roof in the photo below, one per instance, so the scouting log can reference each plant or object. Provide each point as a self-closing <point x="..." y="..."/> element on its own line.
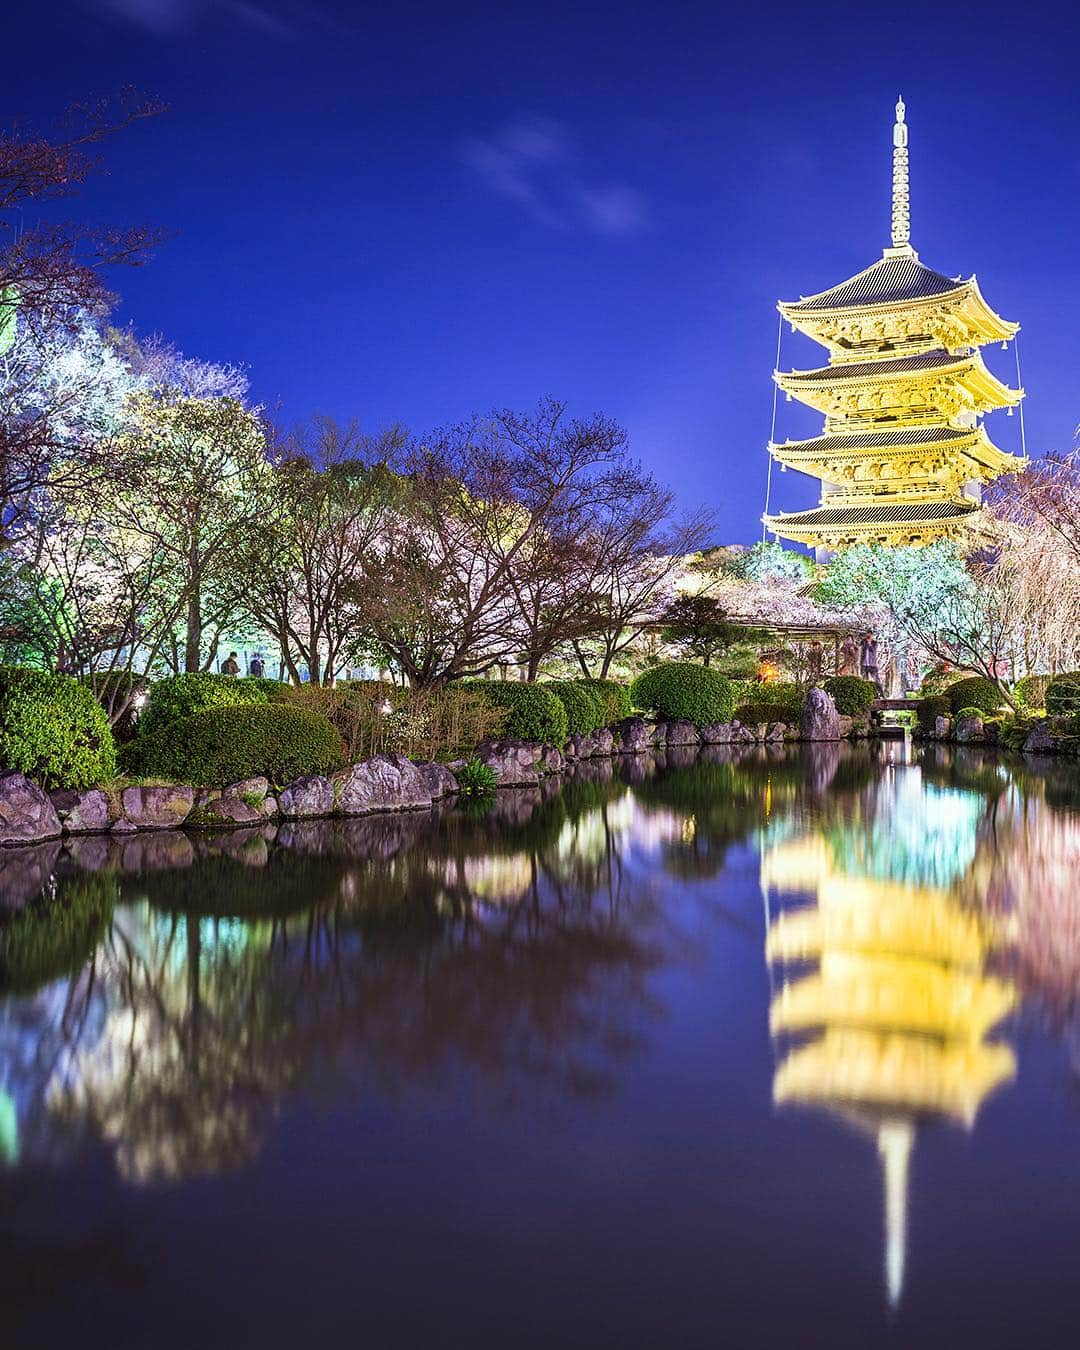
<point x="901" y="438"/>
<point x="893" y="279"/>
<point x="878" y="370"/>
<point x="891" y="513"/>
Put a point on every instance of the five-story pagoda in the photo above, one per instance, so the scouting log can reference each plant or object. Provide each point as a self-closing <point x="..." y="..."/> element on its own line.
<point x="903" y="456"/>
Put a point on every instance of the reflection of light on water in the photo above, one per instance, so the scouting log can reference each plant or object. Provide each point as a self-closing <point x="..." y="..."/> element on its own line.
<point x="898" y="1002"/>
<point x="895" y="1141"/>
<point x="9" y="1130"/>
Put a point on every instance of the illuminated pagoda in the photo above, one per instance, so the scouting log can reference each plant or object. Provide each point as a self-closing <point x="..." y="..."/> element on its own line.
<point x="903" y="456"/>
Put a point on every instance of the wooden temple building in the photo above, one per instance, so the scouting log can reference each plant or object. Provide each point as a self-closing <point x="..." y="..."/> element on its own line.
<point x="903" y="455"/>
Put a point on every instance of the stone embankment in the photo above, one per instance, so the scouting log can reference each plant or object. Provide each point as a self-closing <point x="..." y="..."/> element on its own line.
<point x="383" y="783"/>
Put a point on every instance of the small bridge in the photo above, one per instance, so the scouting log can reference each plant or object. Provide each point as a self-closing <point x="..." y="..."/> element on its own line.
<point x="892" y="717"/>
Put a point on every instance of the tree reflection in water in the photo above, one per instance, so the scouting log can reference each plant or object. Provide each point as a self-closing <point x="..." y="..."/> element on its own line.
<point x="167" y="995"/>
<point x="228" y="972"/>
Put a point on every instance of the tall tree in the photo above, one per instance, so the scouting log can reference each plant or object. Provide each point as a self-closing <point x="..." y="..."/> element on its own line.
<point x="52" y="277"/>
<point x="481" y="504"/>
<point x="315" y="552"/>
<point x="199" y="467"/>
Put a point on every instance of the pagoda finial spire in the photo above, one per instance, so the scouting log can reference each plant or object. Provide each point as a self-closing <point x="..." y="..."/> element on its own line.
<point x="901" y="197"/>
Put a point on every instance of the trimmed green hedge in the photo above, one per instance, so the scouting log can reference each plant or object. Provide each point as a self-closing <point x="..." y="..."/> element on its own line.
<point x="585" y="708"/>
<point x="54" y="730"/>
<point x="775" y="694"/>
<point x="616" y="698"/>
<point x="852" y="695"/>
<point x="536" y="714"/>
<point x="219" y="746"/>
<point x="975" y="692"/>
<point x="1063" y="694"/>
<point x="682" y="690"/>
<point x="928" y="710"/>
<point x="749" y="714"/>
<point x="183" y="695"/>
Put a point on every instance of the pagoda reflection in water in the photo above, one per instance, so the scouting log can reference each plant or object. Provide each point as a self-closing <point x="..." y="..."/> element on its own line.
<point x="884" y="1005"/>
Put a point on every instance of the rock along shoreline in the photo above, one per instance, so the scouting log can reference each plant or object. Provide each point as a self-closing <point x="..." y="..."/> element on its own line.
<point x="385" y="783"/>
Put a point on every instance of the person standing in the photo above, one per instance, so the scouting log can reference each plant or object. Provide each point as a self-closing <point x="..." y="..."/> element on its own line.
<point x="231" y="666"/>
<point x="255" y="669"/>
<point x="849" y="657"/>
<point x="868" y="660"/>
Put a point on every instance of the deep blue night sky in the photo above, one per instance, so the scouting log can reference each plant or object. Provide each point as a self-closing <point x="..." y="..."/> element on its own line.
<point x="408" y="212"/>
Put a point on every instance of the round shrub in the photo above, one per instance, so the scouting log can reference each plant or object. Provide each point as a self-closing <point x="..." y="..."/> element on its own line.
<point x="851" y="695"/>
<point x="1030" y="692"/>
<point x="975" y="692"/>
<point x="276" y="691"/>
<point x="219" y="746"/>
<point x="928" y="710"/>
<point x="182" y="695"/>
<point x="536" y="714"/>
<point x="937" y="681"/>
<point x="54" y="730"/>
<point x="1063" y="694"/>
<point x="681" y="690"/>
<point x="970" y="712"/>
<point x="585" y="708"/>
<point x="616" y="698"/>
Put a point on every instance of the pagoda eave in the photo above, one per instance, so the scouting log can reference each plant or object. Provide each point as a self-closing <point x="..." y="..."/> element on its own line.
<point x="896" y="522"/>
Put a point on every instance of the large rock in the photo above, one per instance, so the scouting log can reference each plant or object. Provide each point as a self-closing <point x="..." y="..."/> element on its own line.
<point x="847" y="725"/>
<point x="635" y="735"/>
<point x="382" y="783"/>
<point x="85" y="811"/>
<point x="157" y="808"/>
<point x="819" y="720"/>
<point x="681" y="733"/>
<point x="307" y="797"/>
<point x="776" y="732"/>
<point x="603" y="741"/>
<point x="438" y="780"/>
<point x="718" y="733"/>
<point x="1040" y="739"/>
<point x="942" y="726"/>
<point x="969" y="728"/>
<point x="550" y="759"/>
<point x="226" y="809"/>
<point x="514" y="763"/>
<point x="26" y="814"/>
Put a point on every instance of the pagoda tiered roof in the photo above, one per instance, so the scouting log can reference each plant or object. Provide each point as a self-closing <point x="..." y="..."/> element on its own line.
<point x="940" y="382"/>
<point x="891" y="522"/>
<point x="929" y="445"/>
<point x="902" y="455"/>
<point x="898" y="303"/>
<point x="896" y="278"/>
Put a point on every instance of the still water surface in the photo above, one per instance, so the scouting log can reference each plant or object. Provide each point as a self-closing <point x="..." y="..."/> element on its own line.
<point x="779" y="1051"/>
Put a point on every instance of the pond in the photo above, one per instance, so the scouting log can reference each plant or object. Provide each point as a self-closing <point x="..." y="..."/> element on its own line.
<point x="771" y="1050"/>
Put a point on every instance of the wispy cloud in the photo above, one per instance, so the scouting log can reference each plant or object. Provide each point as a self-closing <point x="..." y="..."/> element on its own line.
<point x="167" y="18"/>
<point x="536" y="164"/>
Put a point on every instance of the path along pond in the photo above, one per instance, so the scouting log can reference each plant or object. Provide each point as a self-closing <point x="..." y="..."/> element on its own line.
<point x="779" y="1050"/>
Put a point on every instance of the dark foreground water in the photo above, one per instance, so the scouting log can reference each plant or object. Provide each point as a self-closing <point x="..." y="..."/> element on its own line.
<point x="775" y="1052"/>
